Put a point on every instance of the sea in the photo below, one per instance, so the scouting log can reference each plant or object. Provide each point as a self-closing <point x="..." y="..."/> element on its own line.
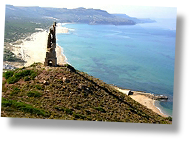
<point x="139" y="57"/>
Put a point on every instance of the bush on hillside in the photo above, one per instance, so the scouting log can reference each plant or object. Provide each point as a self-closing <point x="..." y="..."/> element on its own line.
<point x="34" y="94"/>
<point x="24" y="107"/>
<point x="15" y="91"/>
<point x="8" y="74"/>
<point x="12" y="80"/>
<point x="27" y="78"/>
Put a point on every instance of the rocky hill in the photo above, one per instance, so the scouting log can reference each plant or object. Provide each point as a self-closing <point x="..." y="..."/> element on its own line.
<point x="66" y="93"/>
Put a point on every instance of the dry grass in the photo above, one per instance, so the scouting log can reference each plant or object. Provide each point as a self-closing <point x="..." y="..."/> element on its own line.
<point x="65" y="93"/>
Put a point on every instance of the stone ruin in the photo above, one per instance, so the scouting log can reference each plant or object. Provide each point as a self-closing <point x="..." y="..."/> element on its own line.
<point x="51" y="59"/>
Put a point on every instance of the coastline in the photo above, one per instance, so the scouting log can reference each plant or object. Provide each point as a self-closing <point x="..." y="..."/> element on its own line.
<point x="33" y="48"/>
<point x="61" y="29"/>
<point x="140" y="97"/>
<point x="62" y="59"/>
<point x="144" y="100"/>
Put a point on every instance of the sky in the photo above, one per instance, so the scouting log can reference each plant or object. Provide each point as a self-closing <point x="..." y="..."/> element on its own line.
<point x="110" y="6"/>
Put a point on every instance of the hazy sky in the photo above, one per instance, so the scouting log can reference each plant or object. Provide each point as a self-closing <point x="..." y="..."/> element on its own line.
<point x="108" y="5"/>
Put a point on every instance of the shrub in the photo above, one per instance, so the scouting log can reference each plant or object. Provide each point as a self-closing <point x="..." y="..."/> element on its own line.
<point x="100" y="109"/>
<point x="3" y="83"/>
<point x="77" y="116"/>
<point x="67" y="110"/>
<point x="24" y="107"/>
<point x="59" y="108"/>
<point x="39" y="87"/>
<point x="33" y="75"/>
<point x="3" y="74"/>
<point x="15" y="91"/>
<point x="23" y="73"/>
<point x="34" y="64"/>
<point x="17" y="76"/>
<point x="8" y="74"/>
<point x="27" y="78"/>
<point x="12" y="80"/>
<point x="169" y="118"/>
<point x="27" y="72"/>
<point x="3" y="89"/>
<point x="34" y="94"/>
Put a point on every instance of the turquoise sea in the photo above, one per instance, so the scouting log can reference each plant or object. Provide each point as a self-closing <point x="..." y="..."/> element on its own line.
<point x="138" y="57"/>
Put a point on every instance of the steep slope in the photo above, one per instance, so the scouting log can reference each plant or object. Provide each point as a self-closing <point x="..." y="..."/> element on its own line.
<point x="66" y="93"/>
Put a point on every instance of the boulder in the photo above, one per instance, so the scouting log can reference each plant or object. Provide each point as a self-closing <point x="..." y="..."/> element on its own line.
<point x="66" y="80"/>
<point x="82" y="86"/>
<point x="46" y="82"/>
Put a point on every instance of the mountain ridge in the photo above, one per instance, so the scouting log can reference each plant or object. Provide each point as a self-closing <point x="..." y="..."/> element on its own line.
<point x="62" y="15"/>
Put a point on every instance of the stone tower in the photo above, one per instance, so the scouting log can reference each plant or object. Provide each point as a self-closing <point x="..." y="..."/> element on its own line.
<point x="51" y="59"/>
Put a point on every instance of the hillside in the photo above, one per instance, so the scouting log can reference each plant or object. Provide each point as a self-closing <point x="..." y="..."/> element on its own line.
<point x="22" y="21"/>
<point x="66" y="93"/>
<point x="136" y="20"/>
<point x="62" y="15"/>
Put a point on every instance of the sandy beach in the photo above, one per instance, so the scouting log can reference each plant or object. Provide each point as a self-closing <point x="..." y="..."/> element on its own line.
<point x="60" y="29"/>
<point x="33" y="48"/>
<point x="142" y="99"/>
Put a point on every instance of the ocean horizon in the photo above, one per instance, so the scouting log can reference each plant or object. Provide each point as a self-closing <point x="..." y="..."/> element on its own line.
<point x="140" y="57"/>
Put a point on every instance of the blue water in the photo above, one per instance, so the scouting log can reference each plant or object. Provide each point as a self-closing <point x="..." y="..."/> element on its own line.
<point x="139" y="57"/>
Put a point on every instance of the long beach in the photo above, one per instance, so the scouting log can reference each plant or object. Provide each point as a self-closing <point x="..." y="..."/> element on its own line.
<point x="33" y="48"/>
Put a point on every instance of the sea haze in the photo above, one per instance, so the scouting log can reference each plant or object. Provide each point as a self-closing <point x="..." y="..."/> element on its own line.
<point x="138" y="57"/>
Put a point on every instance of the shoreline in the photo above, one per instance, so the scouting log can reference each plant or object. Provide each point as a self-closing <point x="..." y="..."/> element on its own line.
<point x="60" y="29"/>
<point x="33" y="49"/>
<point x="158" y="108"/>
<point x="139" y="97"/>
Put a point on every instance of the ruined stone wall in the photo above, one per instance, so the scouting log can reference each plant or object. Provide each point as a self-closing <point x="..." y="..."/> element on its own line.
<point x="51" y="59"/>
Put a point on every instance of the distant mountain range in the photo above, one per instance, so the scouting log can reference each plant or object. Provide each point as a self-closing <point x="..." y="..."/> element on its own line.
<point x="136" y="20"/>
<point x="78" y="15"/>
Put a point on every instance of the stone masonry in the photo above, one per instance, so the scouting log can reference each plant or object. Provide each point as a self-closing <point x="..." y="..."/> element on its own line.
<point x="51" y="59"/>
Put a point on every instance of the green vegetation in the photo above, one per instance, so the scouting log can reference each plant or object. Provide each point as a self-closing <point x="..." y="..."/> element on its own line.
<point x="21" y="21"/>
<point x="23" y="107"/>
<point x="34" y="64"/>
<point x="12" y="80"/>
<point x="34" y="94"/>
<point x="3" y="74"/>
<point x="10" y="56"/>
<point x="82" y="97"/>
<point x="26" y="78"/>
<point x="39" y="87"/>
<point x="8" y="74"/>
<point x="100" y="109"/>
<point x="15" y="76"/>
<point x="169" y="118"/>
<point x="78" y="116"/>
<point x="67" y="110"/>
<point x="33" y="75"/>
<point x="23" y="73"/>
<point x="22" y="27"/>
<point x="15" y="91"/>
